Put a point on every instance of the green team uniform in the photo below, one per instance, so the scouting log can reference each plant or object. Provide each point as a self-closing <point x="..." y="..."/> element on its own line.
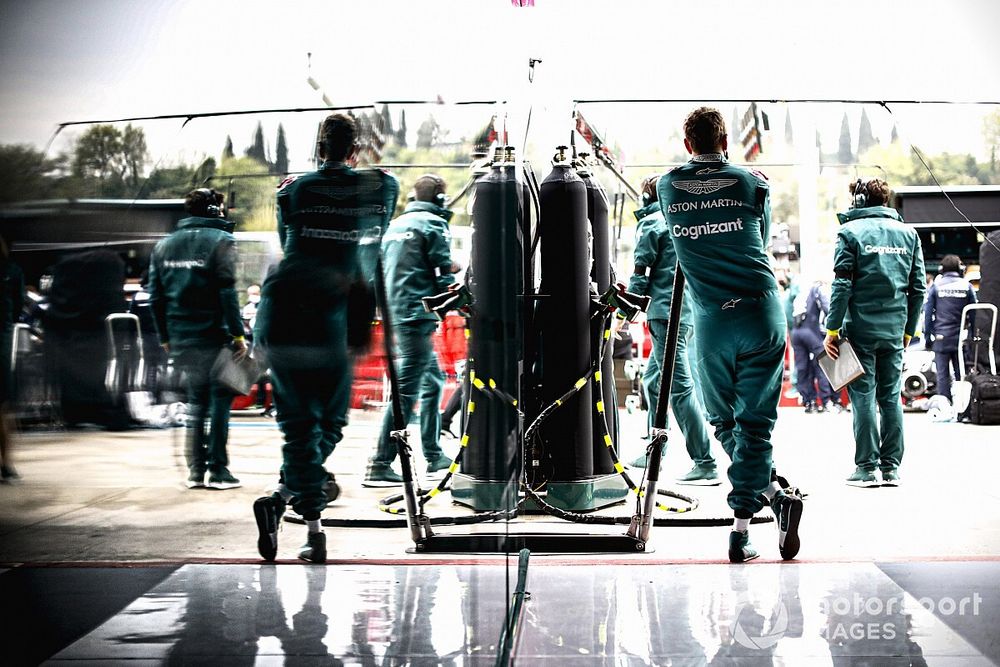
<point x="329" y="223"/>
<point x="878" y="293"/>
<point x="655" y="265"/>
<point x="719" y="218"/>
<point x="192" y="288"/>
<point x="416" y="259"/>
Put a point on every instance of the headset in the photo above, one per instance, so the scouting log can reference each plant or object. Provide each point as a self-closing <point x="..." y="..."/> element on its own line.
<point x="440" y="198"/>
<point x="646" y="196"/>
<point x="214" y="199"/>
<point x="860" y="194"/>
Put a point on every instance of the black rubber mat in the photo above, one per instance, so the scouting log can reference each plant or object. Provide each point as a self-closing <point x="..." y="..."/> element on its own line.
<point x="45" y="609"/>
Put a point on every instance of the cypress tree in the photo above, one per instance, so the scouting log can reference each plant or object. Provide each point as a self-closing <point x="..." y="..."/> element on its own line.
<point x="256" y="149"/>
<point x="844" y="153"/>
<point x="281" y="152"/>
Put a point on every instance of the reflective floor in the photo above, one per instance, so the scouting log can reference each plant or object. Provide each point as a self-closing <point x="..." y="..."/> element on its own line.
<point x="755" y="614"/>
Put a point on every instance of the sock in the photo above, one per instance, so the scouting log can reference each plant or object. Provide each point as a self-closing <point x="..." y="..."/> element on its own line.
<point x="285" y="494"/>
<point x="771" y="491"/>
<point x="314" y="525"/>
<point x="741" y="525"/>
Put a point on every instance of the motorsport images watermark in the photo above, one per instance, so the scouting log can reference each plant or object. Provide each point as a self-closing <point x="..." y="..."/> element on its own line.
<point x="857" y="617"/>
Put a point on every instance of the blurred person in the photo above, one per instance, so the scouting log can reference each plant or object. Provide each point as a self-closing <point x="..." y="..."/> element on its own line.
<point x="249" y="315"/>
<point x="655" y="265"/>
<point x="192" y="288"/>
<point x="11" y="305"/>
<point x="249" y="312"/>
<point x="949" y="294"/>
<point x="329" y="221"/>
<point x="416" y="256"/>
<point x="719" y="216"/>
<point x="86" y="288"/>
<point x="878" y="292"/>
<point x="809" y="310"/>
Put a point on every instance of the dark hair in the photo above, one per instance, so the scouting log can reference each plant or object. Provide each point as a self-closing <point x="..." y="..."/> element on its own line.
<point x="336" y="136"/>
<point x="705" y="130"/>
<point x="428" y="187"/>
<point x="649" y="188"/>
<point x="197" y="201"/>
<point x="951" y="263"/>
<point x="876" y="191"/>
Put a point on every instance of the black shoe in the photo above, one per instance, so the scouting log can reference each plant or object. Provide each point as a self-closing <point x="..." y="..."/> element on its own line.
<point x="314" y="550"/>
<point x="787" y="508"/>
<point x="196" y="480"/>
<point x="810" y="408"/>
<point x="267" y="511"/>
<point x="8" y="475"/>
<point x="740" y="550"/>
<point x="331" y="488"/>
<point x="222" y="479"/>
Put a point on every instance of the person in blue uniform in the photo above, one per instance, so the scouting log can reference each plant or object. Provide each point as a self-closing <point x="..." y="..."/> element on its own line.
<point x="329" y="223"/>
<point x="948" y="296"/>
<point x="719" y="216"/>
<point x="416" y="258"/>
<point x="809" y="309"/>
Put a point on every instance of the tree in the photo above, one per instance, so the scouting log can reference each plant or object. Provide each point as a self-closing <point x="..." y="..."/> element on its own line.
<point x="385" y="123"/>
<point x="427" y="133"/>
<point x="96" y="153"/>
<point x="204" y="172"/>
<point x="170" y="182"/>
<point x="249" y="193"/>
<point x="895" y="134"/>
<point x="865" y="137"/>
<point x="844" y="153"/>
<point x="256" y="151"/>
<point x="401" y="134"/>
<point x="991" y="137"/>
<point x="110" y="160"/>
<point x="134" y="155"/>
<point x="227" y="150"/>
<point x="789" y="135"/>
<point x="25" y="174"/>
<point x="281" y="152"/>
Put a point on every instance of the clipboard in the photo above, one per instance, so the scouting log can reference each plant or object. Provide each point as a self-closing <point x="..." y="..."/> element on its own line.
<point x="236" y="376"/>
<point x="843" y="370"/>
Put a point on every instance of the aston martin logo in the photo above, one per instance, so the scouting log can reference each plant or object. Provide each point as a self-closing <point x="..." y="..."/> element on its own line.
<point x="361" y="187"/>
<point x="704" y="187"/>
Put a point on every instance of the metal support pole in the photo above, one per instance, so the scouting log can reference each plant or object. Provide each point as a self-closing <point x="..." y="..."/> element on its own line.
<point x="416" y="521"/>
<point x="658" y="437"/>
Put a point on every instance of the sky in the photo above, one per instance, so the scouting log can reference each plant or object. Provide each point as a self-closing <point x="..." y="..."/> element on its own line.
<point x="67" y="60"/>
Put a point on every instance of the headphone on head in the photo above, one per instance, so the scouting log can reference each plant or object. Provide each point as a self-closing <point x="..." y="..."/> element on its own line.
<point x="213" y="206"/>
<point x="860" y="194"/>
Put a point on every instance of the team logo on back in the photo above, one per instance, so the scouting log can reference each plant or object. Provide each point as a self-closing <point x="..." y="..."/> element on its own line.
<point x="704" y="187"/>
<point x="885" y="250"/>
